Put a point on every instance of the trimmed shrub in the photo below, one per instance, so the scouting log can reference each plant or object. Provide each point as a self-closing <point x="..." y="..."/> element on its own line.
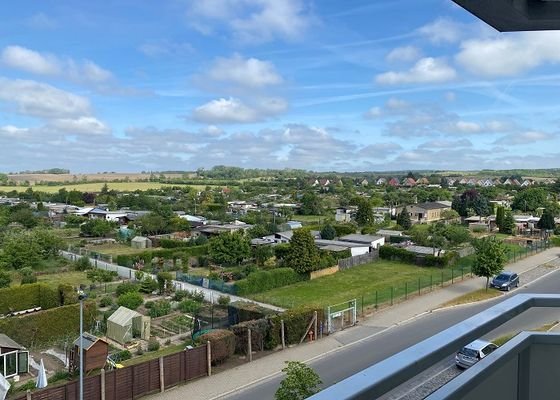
<point x="106" y="301"/>
<point x="261" y="281"/>
<point x="260" y="330"/>
<point x="131" y="300"/>
<point x="295" y="323"/>
<point x="153" y="344"/>
<point x="45" y="327"/>
<point x="19" y="298"/>
<point x="180" y="295"/>
<point x="67" y="293"/>
<point x="189" y="306"/>
<point x="396" y="253"/>
<point x="222" y="342"/>
<point x="241" y="311"/>
<point x="224" y="300"/>
<point x="27" y="276"/>
<point x="127" y="287"/>
<point x="160" y="308"/>
<point x="122" y="355"/>
<point x="196" y="295"/>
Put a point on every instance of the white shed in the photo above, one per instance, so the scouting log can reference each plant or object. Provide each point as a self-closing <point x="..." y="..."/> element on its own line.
<point x="125" y="324"/>
<point x="140" y="242"/>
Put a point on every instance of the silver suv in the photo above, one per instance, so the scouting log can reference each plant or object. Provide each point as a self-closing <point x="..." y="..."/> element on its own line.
<point x="474" y="352"/>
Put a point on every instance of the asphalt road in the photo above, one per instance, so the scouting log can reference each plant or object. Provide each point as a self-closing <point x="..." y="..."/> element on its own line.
<point x="352" y="359"/>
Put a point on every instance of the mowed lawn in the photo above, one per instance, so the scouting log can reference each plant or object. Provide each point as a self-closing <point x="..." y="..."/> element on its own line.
<point x="354" y="283"/>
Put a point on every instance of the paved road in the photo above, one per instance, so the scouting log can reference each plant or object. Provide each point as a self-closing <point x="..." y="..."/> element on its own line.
<point x="351" y="359"/>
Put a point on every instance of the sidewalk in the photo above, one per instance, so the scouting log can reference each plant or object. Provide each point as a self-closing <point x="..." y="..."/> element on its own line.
<point x="220" y="385"/>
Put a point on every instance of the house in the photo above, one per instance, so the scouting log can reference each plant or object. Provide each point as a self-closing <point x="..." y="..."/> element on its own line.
<point x="426" y="212"/>
<point x="508" y="182"/>
<point x="126" y="324"/>
<point x="96" y="351"/>
<point x="394" y="182"/>
<point x="408" y="182"/>
<point x="14" y="358"/>
<point x="463" y="181"/>
<point x="381" y="181"/>
<point x="140" y="242"/>
<point x="120" y="217"/>
<point x="472" y="182"/>
<point x="423" y="181"/>
<point x="96" y="213"/>
<point x="451" y="181"/>
<point x="356" y="249"/>
<point x="374" y="242"/>
<point x="210" y="230"/>
<point x="497" y="182"/>
<point x="313" y="182"/>
<point x="487" y="183"/>
<point x="194" y="220"/>
<point x="526" y="182"/>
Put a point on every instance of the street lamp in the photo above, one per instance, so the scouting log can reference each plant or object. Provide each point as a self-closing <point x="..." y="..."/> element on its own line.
<point x="81" y="296"/>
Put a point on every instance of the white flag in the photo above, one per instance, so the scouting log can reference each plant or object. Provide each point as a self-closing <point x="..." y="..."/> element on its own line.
<point x="4" y="387"/>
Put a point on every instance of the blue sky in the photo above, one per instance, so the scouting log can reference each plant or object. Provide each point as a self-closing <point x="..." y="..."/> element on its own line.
<point x="318" y="85"/>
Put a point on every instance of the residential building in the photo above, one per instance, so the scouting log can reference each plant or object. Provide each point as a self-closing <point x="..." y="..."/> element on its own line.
<point x="426" y="212"/>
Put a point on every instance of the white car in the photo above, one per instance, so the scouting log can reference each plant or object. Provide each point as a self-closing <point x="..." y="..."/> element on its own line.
<point x="474" y="352"/>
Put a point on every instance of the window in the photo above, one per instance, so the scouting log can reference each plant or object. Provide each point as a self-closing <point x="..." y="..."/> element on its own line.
<point x="488" y="349"/>
<point x="10" y="364"/>
<point x="23" y="362"/>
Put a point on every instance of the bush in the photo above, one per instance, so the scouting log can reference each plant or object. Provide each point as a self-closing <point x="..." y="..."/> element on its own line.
<point x="222" y="343"/>
<point x="148" y="285"/>
<point x="27" y="276"/>
<point x="189" y="306"/>
<point x="100" y="275"/>
<point x="131" y="300"/>
<point x="106" y="301"/>
<point x="224" y="300"/>
<point x="196" y="295"/>
<point x="122" y="355"/>
<point x="128" y="260"/>
<point x="160" y="308"/>
<point x="344" y="229"/>
<point x="396" y="253"/>
<point x="67" y="293"/>
<point x="149" y="304"/>
<point x="261" y="281"/>
<point x="153" y="344"/>
<point x="58" y="376"/>
<point x="82" y="264"/>
<point x="5" y="279"/>
<point x="127" y="287"/>
<point x="295" y="324"/>
<point x="180" y="295"/>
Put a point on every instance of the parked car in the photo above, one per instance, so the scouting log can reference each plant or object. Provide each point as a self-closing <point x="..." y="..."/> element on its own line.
<point x="505" y="281"/>
<point x="474" y="352"/>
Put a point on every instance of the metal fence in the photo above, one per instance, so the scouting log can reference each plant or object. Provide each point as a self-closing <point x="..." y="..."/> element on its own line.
<point x="134" y="381"/>
<point x="213" y="284"/>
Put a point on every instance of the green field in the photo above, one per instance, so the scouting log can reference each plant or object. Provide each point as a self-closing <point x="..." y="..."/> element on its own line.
<point x="74" y="278"/>
<point x="115" y="249"/>
<point x="96" y="187"/>
<point x="357" y="283"/>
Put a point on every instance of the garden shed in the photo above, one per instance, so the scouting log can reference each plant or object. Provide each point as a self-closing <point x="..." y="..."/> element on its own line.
<point x="96" y="351"/>
<point x="125" y="324"/>
<point x="140" y="242"/>
<point x="14" y="358"/>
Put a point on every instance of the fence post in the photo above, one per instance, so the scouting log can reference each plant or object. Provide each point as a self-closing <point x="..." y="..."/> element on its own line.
<point x="431" y="282"/>
<point x="315" y="333"/>
<point x="362" y="305"/>
<point x="392" y="295"/>
<point x="406" y="290"/>
<point x="249" y="349"/>
<point x="418" y="286"/>
<point x="102" y="383"/>
<point x="161" y="376"/>
<point x="209" y="357"/>
<point x="452" y="276"/>
<point x="376" y="298"/>
<point x="282" y="333"/>
<point x="441" y="278"/>
<point x="28" y="394"/>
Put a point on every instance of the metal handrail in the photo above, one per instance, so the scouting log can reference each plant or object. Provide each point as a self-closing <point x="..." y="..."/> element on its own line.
<point x="384" y="376"/>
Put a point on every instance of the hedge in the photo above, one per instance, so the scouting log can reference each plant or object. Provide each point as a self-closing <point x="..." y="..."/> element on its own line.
<point x="261" y="281"/>
<point x="173" y="244"/>
<point x="295" y="322"/>
<point x="222" y="344"/>
<point x="127" y="260"/>
<point x="396" y="253"/>
<point x="260" y="331"/>
<point x="44" y="327"/>
<point x="241" y="311"/>
<point x="23" y="297"/>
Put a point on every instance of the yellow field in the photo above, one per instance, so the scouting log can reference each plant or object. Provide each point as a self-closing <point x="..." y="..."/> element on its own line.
<point x="91" y="187"/>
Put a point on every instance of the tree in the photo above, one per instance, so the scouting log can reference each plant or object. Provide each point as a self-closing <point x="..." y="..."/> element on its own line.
<point x="20" y="250"/>
<point x="164" y="281"/>
<point x="509" y="223"/>
<point x="229" y="248"/>
<point x="448" y="215"/>
<point x="403" y="219"/>
<point x="530" y="199"/>
<point x="302" y="255"/>
<point x="500" y="214"/>
<point x="547" y="220"/>
<point x="300" y="382"/>
<point x="311" y="204"/>
<point x="471" y="200"/>
<point x="48" y="241"/>
<point x="96" y="227"/>
<point x="328" y="232"/>
<point x="457" y="234"/>
<point x="490" y="257"/>
<point x="131" y="300"/>
<point x="437" y="239"/>
<point x="364" y="215"/>
<point x="153" y="224"/>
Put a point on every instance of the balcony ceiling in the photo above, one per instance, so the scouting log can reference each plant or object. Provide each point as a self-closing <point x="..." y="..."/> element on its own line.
<point x="516" y="15"/>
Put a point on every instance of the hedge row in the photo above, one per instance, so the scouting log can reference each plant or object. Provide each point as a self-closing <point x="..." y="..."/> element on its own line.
<point x="173" y="244"/>
<point x="23" y="297"/>
<point x="396" y="253"/>
<point x="222" y="343"/>
<point x="127" y="260"/>
<point x="44" y="327"/>
<point x="261" y="281"/>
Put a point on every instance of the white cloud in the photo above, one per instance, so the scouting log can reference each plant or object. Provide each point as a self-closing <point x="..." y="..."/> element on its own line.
<point x="404" y="54"/>
<point x="41" y="21"/>
<point x="396" y="104"/>
<point x="442" y="30"/>
<point x="373" y="112"/>
<point x="42" y="100"/>
<point x="393" y="106"/>
<point x="447" y="144"/>
<point x="426" y="70"/>
<point x="509" y="55"/>
<point x="30" y="61"/>
<point x="79" y="126"/>
<point x="380" y="150"/>
<point x="246" y="72"/>
<point x="212" y="131"/>
<point x="527" y="137"/>
<point x="13" y="131"/>
<point x="225" y="111"/>
<point x="272" y="105"/>
<point x="252" y="21"/>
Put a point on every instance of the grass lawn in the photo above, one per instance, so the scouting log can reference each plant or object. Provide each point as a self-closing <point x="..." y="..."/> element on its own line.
<point x="309" y="219"/>
<point x="354" y="283"/>
<point x="477" y="295"/>
<point x="74" y="278"/>
<point x="115" y="249"/>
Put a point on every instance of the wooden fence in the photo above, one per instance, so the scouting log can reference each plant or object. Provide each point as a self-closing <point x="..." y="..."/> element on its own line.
<point x="345" y="263"/>
<point x="134" y="381"/>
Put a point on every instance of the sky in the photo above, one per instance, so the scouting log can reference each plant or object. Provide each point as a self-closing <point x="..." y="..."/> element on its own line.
<point x="322" y="85"/>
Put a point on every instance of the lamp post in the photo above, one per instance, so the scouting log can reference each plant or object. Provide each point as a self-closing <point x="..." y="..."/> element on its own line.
<point x="81" y="296"/>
